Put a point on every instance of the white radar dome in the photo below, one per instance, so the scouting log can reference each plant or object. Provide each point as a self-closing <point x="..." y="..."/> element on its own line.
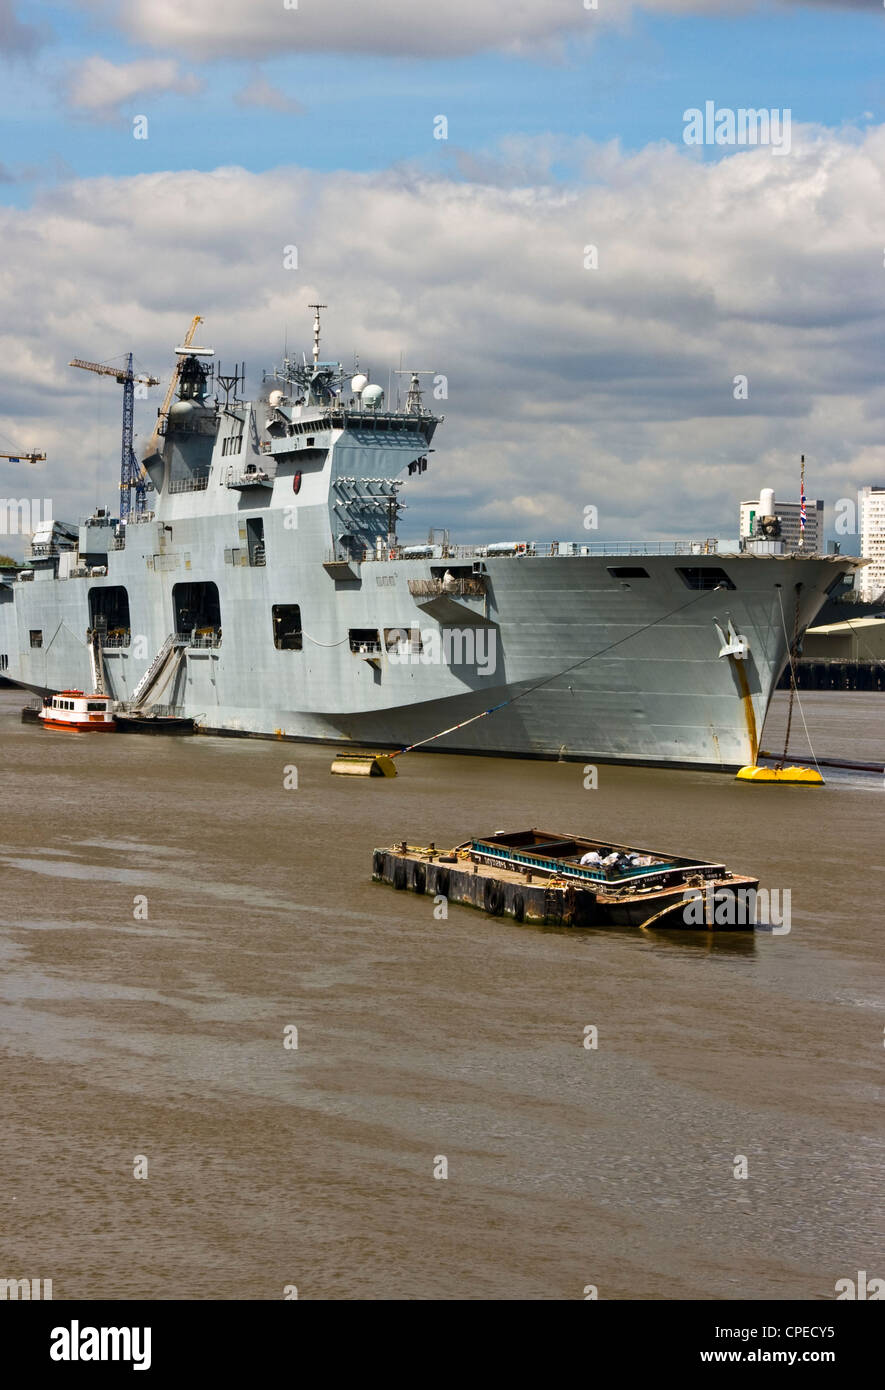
<point x="275" y="398"/>
<point x="359" y="384"/>
<point x="373" y="396"/>
<point x="766" y="502"/>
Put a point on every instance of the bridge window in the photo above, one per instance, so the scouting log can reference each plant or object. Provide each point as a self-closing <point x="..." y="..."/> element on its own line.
<point x="36" y="637"/>
<point x="703" y="577"/>
<point x="287" y="627"/>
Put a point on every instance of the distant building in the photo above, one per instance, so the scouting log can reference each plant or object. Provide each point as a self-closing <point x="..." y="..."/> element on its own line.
<point x="871" y="579"/>
<point x="788" y="512"/>
<point x="861" y="639"/>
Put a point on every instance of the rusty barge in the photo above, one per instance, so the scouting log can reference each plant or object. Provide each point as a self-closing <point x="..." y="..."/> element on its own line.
<point x="567" y="880"/>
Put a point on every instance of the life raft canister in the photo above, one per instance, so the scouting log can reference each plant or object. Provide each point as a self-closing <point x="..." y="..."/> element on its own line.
<point x="296" y="481"/>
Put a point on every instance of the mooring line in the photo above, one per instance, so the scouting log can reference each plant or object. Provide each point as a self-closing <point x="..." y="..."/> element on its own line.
<point x="557" y="674"/>
<point x="794" y="688"/>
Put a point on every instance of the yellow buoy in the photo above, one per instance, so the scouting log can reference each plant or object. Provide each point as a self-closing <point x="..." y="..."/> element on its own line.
<point x="806" y="776"/>
<point x="364" y="765"/>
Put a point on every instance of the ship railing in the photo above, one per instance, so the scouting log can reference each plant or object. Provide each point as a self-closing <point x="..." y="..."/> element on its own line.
<point x="563" y="549"/>
<point x="207" y="424"/>
<point x="237" y="475"/>
<point x="197" y="484"/>
<point x="198" y="639"/>
<point x="458" y="588"/>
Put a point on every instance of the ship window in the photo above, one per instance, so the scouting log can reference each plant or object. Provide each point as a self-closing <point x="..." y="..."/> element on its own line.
<point x="36" y="637"/>
<point x="95" y="705"/>
<point x="403" y="641"/>
<point x="364" y="641"/>
<point x="627" y="572"/>
<point x="4" y="661"/>
<point x="703" y="577"/>
<point x="287" y="627"/>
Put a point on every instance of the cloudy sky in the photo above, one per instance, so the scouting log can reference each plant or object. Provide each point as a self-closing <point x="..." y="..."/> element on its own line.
<point x="602" y="377"/>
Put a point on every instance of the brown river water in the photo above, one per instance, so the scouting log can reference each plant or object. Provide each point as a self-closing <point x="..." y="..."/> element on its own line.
<point x="421" y="1039"/>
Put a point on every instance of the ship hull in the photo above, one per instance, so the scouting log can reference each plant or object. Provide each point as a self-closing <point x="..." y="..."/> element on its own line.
<point x="586" y="666"/>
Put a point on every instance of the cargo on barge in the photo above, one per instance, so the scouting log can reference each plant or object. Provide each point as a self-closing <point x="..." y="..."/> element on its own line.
<point x="567" y="880"/>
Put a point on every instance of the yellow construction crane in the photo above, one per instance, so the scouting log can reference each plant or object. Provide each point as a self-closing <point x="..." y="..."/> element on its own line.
<point x="173" y="382"/>
<point x="25" y="458"/>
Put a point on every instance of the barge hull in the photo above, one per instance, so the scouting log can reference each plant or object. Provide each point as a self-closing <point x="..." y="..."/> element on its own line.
<point x="502" y="894"/>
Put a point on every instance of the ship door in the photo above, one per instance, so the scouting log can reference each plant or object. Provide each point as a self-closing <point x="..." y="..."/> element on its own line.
<point x="197" y="610"/>
<point x="255" y="536"/>
<point x="109" y="614"/>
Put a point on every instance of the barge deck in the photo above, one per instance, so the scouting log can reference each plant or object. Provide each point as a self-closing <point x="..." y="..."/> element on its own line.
<point x="556" y="880"/>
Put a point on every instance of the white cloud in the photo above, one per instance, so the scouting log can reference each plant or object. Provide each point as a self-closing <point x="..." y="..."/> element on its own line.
<point x="254" y="28"/>
<point x="566" y="386"/>
<point x="98" y="87"/>
<point x="261" y="93"/>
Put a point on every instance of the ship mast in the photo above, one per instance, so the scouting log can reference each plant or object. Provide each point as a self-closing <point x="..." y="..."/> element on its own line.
<point x="316" y="330"/>
<point x="802" y="512"/>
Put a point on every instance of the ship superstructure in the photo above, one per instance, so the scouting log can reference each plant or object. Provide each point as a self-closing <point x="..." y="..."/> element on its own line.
<point x="265" y="592"/>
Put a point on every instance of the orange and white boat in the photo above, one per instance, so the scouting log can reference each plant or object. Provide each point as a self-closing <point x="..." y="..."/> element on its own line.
<point x="72" y="712"/>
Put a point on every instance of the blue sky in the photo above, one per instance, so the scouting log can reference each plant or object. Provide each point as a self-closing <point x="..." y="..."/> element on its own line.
<point x="366" y="112"/>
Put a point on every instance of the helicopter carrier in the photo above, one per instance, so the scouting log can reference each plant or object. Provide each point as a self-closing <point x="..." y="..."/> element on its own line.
<point x="259" y="587"/>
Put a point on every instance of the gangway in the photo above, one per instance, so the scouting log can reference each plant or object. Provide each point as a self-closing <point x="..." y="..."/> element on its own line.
<point x="161" y="669"/>
<point x="96" y="661"/>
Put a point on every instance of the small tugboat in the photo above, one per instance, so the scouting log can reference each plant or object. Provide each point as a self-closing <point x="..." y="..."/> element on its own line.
<point x="72" y="712"/>
<point x="566" y="880"/>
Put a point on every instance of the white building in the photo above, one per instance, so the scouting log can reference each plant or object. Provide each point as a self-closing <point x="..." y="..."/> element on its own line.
<point x="789" y="518"/>
<point x="871" y="579"/>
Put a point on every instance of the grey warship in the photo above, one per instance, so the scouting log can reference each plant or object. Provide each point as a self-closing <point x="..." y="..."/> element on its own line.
<point x="259" y="587"/>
